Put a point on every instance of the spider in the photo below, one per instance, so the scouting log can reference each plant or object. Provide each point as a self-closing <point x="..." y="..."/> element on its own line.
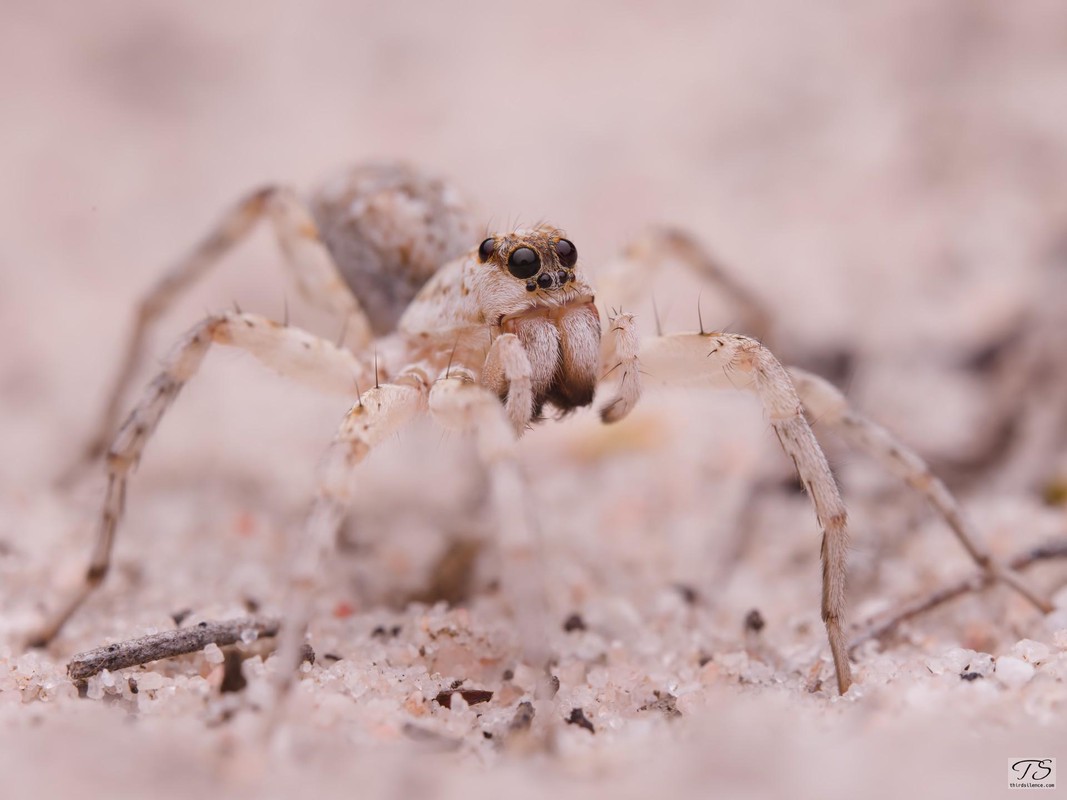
<point x="483" y="337"/>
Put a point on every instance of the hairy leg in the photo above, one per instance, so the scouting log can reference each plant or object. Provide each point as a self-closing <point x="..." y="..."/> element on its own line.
<point x="507" y="373"/>
<point x="731" y="361"/>
<point x="290" y="351"/>
<point x="460" y="404"/>
<point x="824" y="403"/>
<point x="310" y="262"/>
<point x="619" y="363"/>
<point x="380" y="412"/>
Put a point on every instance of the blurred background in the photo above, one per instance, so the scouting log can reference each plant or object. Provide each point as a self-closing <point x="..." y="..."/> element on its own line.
<point x="888" y="177"/>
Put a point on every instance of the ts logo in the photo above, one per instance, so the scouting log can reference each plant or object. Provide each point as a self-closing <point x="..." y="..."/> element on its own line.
<point x="1032" y="769"/>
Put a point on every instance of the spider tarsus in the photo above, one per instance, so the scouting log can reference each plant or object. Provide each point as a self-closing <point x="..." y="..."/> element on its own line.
<point x="608" y="413"/>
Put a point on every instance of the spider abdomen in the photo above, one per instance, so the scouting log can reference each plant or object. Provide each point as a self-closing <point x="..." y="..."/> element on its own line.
<point x="389" y="228"/>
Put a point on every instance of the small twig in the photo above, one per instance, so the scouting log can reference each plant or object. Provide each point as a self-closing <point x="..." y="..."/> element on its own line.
<point x="167" y="645"/>
<point x="973" y="583"/>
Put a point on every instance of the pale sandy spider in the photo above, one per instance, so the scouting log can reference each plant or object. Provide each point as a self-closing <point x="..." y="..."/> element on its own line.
<point x="481" y="336"/>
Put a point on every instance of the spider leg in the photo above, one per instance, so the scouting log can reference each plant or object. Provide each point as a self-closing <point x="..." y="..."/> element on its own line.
<point x="292" y="352"/>
<point x="507" y="372"/>
<point x="380" y="412"/>
<point x="310" y="262"/>
<point x="730" y="360"/>
<point x="619" y="351"/>
<point x="823" y="402"/>
<point x="456" y="402"/>
<point x="460" y="404"/>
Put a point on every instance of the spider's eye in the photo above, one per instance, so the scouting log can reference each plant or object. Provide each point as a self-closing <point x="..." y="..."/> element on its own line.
<point x="523" y="262"/>
<point x="485" y="249"/>
<point x="567" y="252"/>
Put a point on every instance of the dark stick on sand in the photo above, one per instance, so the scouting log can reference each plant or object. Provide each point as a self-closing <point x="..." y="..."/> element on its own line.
<point x="167" y="645"/>
<point x="876" y="629"/>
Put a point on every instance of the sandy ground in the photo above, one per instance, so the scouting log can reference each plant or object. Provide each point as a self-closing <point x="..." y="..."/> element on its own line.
<point x="889" y="179"/>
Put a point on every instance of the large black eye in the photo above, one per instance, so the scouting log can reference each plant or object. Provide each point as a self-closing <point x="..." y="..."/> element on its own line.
<point x="523" y="262"/>
<point x="485" y="249"/>
<point x="568" y="254"/>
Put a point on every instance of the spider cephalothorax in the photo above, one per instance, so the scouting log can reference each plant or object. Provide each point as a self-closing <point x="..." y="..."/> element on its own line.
<point x="484" y="296"/>
<point x="532" y="278"/>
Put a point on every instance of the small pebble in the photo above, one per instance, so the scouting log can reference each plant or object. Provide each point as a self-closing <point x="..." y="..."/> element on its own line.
<point x="1013" y="672"/>
<point x="213" y="653"/>
<point x="754" y="621"/>
<point x="579" y="718"/>
<point x="1031" y="651"/>
<point x="27" y="664"/>
<point x="148" y="681"/>
<point x="574" y="623"/>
